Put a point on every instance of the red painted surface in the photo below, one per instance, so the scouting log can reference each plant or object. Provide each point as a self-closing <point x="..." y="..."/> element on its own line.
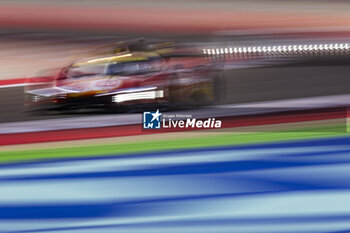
<point x="12" y="81"/>
<point x="131" y="130"/>
<point x="6" y="82"/>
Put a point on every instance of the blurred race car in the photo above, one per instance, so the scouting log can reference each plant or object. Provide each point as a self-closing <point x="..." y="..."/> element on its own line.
<point x="129" y="79"/>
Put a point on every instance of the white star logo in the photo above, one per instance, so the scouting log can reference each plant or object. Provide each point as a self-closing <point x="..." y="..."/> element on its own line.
<point x="156" y="115"/>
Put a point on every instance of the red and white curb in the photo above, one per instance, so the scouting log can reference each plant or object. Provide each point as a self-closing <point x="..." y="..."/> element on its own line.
<point x="21" y="82"/>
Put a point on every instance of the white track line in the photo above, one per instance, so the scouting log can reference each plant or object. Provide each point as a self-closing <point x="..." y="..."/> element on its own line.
<point x="13" y="85"/>
<point x="21" y="84"/>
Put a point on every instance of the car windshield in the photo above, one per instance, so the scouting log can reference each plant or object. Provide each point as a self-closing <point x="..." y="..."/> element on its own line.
<point x="129" y="68"/>
<point x="85" y="70"/>
<point x="119" y="68"/>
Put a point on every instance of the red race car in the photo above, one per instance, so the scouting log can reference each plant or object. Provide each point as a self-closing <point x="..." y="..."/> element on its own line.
<point x="130" y="79"/>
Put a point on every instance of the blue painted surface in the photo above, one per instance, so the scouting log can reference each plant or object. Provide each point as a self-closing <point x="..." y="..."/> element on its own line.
<point x="296" y="186"/>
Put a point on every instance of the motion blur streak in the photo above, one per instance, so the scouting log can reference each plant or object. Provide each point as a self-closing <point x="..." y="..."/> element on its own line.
<point x="295" y="186"/>
<point x="282" y="49"/>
